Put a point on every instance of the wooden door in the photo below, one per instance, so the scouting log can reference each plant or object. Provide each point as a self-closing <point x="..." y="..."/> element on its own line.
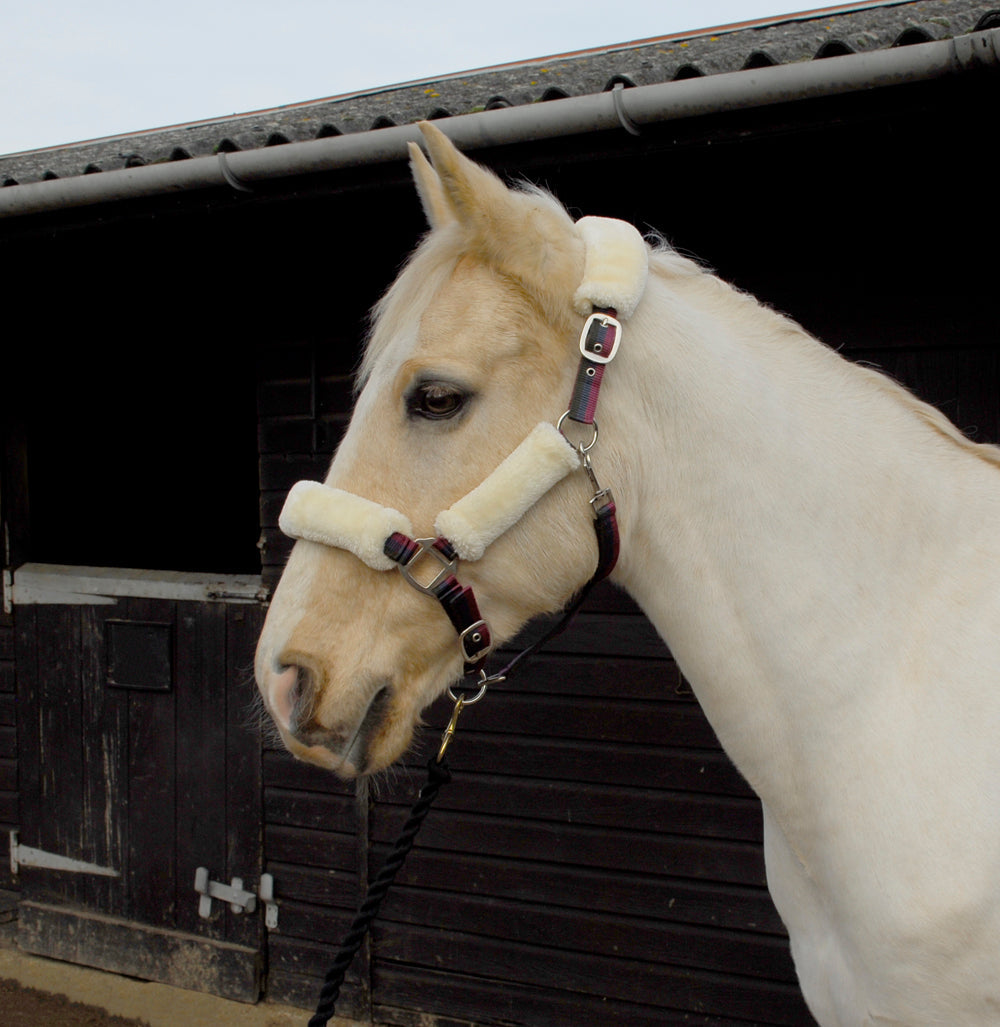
<point x="140" y="762"/>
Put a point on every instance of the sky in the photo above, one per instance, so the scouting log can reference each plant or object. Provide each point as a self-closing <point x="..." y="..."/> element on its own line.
<point x="71" y="71"/>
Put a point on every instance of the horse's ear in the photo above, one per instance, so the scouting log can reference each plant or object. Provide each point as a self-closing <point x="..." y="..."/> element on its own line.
<point x="432" y="197"/>
<point x="470" y="192"/>
<point x="525" y="234"/>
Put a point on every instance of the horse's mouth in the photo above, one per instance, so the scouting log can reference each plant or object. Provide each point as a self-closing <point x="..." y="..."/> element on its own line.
<point x="356" y="755"/>
<point x="347" y="754"/>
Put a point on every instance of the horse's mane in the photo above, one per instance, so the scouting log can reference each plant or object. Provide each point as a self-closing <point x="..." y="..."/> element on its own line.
<point x="745" y="309"/>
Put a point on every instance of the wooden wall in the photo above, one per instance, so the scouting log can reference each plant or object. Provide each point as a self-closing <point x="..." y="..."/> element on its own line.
<point x="8" y="742"/>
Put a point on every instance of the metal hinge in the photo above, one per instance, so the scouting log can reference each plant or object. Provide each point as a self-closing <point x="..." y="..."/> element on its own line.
<point x="25" y="856"/>
<point x="240" y="900"/>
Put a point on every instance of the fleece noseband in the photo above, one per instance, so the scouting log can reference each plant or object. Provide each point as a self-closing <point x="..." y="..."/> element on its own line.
<point x="613" y="282"/>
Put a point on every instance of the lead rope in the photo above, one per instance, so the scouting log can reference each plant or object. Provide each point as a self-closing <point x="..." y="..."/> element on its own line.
<point x="438" y="775"/>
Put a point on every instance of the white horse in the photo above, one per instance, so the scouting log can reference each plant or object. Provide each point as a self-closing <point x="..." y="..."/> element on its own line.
<point x="818" y="548"/>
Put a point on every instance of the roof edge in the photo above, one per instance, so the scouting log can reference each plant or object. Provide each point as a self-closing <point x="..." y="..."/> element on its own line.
<point x="628" y="110"/>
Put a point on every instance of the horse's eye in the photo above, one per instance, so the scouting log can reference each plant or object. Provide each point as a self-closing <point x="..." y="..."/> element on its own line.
<point x="436" y="401"/>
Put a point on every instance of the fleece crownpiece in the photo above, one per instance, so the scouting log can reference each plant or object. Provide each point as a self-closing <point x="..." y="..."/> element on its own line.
<point x="616" y="267"/>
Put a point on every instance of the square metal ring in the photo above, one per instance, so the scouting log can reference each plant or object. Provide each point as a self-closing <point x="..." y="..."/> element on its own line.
<point x="427" y="547"/>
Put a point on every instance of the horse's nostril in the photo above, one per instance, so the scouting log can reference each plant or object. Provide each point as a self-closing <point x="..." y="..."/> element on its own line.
<point x="293" y="694"/>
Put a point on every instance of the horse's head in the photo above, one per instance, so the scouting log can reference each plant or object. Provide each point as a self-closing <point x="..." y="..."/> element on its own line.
<point x="472" y="347"/>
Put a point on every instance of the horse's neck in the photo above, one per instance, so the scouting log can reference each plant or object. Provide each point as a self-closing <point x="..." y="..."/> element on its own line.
<point x="776" y="521"/>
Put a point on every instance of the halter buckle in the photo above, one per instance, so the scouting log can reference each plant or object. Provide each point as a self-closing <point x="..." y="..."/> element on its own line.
<point x="594" y="339"/>
<point x="477" y="634"/>
<point x="427" y="545"/>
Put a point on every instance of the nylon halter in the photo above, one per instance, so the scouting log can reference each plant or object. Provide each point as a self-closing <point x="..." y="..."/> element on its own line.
<point x="614" y="280"/>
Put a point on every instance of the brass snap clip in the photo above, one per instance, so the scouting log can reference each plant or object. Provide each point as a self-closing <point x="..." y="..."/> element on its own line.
<point x="460" y="703"/>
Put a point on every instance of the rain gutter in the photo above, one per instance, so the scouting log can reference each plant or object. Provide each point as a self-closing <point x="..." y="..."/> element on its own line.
<point x="629" y="110"/>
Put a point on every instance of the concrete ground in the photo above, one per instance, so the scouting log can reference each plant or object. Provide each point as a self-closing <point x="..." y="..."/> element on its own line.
<point x="159" y="1005"/>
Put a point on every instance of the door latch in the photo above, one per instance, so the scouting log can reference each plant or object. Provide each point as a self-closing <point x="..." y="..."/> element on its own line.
<point x="233" y="893"/>
<point x="240" y="900"/>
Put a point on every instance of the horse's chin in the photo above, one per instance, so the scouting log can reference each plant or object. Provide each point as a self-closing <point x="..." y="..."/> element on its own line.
<point x="356" y="763"/>
<point x="376" y="745"/>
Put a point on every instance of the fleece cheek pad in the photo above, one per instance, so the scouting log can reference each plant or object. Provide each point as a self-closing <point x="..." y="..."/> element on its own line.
<point x="542" y="460"/>
<point x="318" y="513"/>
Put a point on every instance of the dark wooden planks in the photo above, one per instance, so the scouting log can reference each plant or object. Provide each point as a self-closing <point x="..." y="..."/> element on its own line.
<point x="152" y="791"/>
<point x="314" y="828"/>
<point x="150" y="782"/>
<point x="244" y="846"/>
<point x="200" y="770"/>
<point x="8" y="741"/>
<point x="652" y="936"/>
<point x="124" y="946"/>
<point x="618" y="891"/>
<point x="577" y="975"/>
<point x="104" y="732"/>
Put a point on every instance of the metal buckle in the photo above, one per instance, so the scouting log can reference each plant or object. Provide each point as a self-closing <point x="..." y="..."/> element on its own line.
<point x="591" y="348"/>
<point x="427" y="546"/>
<point x="474" y="634"/>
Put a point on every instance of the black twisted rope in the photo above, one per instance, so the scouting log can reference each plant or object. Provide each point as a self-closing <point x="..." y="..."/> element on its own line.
<point x="438" y="775"/>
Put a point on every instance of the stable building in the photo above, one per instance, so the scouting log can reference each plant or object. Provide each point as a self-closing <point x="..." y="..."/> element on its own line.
<point x="186" y="308"/>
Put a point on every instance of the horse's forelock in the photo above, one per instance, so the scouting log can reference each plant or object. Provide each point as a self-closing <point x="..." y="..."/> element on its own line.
<point x="423" y="274"/>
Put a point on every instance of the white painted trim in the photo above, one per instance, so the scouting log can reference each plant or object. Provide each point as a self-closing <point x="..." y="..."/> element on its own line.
<point x="41" y="583"/>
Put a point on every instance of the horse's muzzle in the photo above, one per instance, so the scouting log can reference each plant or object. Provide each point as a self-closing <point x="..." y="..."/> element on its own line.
<point x="294" y="699"/>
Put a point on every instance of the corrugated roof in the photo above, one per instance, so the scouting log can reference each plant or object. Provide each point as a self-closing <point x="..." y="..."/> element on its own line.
<point x="803" y="37"/>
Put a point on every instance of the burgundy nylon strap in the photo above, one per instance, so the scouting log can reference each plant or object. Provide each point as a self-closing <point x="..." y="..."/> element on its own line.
<point x="400" y="547"/>
<point x="590" y="373"/>
<point x="458" y="601"/>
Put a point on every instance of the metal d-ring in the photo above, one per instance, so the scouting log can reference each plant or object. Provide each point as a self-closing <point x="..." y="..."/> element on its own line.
<point x="460" y="703"/>
<point x="485" y="682"/>
<point x="580" y="448"/>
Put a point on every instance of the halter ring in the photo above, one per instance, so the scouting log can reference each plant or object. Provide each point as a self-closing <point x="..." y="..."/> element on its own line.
<point x="476" y="697"/>
<point x="580" y="448"/>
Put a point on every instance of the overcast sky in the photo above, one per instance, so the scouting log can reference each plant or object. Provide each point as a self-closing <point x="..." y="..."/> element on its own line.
<point x="81" y="69"/>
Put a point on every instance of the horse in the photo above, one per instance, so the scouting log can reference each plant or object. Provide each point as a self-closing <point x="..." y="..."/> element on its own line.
<point x="816" y="546"/>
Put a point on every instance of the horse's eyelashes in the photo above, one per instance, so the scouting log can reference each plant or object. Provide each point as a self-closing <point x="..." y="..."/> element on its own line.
<point x="436" y="400"/>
